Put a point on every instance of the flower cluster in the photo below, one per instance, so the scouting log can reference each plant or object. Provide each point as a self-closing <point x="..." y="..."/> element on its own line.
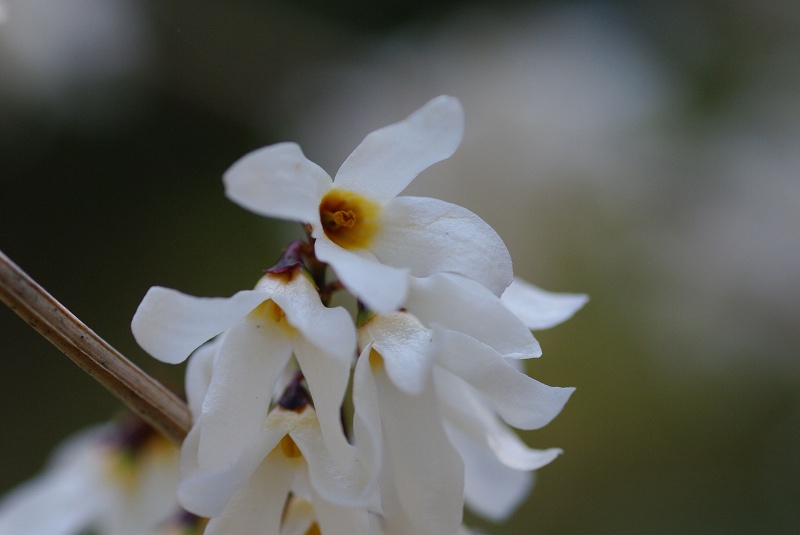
<point x="309" y="418"/>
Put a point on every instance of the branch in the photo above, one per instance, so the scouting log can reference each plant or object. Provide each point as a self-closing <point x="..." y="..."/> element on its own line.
<point x="138" y="391"/>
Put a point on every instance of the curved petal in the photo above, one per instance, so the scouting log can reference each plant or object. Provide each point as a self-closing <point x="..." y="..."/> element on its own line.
<point x="463" y="409"/>
<point x="327" y="380"/>
<point x="198" y="376"/>
<point x="461" y="304"/>
<point x="428" y="473"/>
<point x="207" y="493"/>
<point x="170" y="325"/>
<point x="328" y="329"/>
<point x="258" y="506"/>
<point x="405" y="346"/>
<point x="491" y="489"/>
<point x="520" y="400"/>
<point x="540" y="309"/>
<point x="343" y="479"/>
<point x="278" y="181"/>
<point x="388" y="159"/>
<point x="250" y="359"/>
<point x="382" y="288"/>
<point x="367" y="429"/>
<point x="430" y="236"/>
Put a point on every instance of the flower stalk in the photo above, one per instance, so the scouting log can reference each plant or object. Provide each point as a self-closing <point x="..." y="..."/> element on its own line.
<point x="138" y="391"/>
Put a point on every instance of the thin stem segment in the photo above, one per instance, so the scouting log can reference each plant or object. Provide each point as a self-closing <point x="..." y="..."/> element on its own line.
<point x="138" y="391"/>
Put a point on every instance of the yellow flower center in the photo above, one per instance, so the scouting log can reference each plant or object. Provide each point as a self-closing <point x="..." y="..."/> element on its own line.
<point x="270" y="312"/>
<point x="289" y="448"/>
<point x="314" y="530"/>
<point x="348" y="219"/>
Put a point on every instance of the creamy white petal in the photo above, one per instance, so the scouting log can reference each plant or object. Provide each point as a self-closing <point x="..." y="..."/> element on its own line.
<point x="428" y="473"/>
<point x="464" y="305"/>
<point x="406" y="347"/>
<point x="278" y="181"/>
<point x="429" y="236"/>
<point x="257" y="508"/>
<point x="382" y="288"/>
<point x="170" y="325"/>
<point x="540" y="309"/>
<point x="389" y="159"/>
<point x="338" y="520"/>
<point x="462" y="408"/>
<point x="251" y="357"/>
<point x="329" y="329"/>
<point x="207" y="493"/>
<point x="327" y="380"/>
<point x="367" y="427"/>
<point x="491" y="489"/>
<point x="64" y="500"/>
<point x="520" y="400"/>
<point x="298" y="518"/>
<point x="343" y="479"/>
<point x="198" y="376"/>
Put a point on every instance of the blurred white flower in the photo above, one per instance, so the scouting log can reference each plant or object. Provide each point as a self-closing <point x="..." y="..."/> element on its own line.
<point x="49" y="47"/>
<point x="118" y="479"/>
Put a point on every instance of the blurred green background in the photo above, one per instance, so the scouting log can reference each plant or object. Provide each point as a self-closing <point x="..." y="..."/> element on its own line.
<point x="645" y="153"/>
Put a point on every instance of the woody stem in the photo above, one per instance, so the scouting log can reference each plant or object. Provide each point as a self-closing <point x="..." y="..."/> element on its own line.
<point x="138" y="391"/>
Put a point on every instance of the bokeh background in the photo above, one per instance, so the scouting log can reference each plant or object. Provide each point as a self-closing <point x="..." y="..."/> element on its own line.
<point x="645" y="153"/>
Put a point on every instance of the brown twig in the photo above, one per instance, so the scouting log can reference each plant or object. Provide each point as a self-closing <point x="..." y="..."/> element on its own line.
<point x="141" y="393"/>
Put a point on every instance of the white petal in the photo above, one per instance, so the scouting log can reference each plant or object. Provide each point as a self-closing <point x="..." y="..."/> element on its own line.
<point x="406" y="347"/>
<point x="298" y="518"/>
<point x="430" y="236"/>
<point x="342" y="479"/>
<point x="258" y="506"/>
<point x="327" y="380"/>
<point x="540" y="309"/>
<point x="64" y="500"/>
<point x="250" y="359"/>
<point x="278" y="181"/>
<point x="389" y="159"/>
<point x="198" y="376"/>
<point x="491" y="489"/>
<point x="170" y="325"/>
<point x="382" y="288"/>
<point x="337" y="520"/>
<point x="428" y="473"/>
<point x="520" y="400"/>
<point x="460" y="304"/>
<point x="463" y="409"/>
<point x="207" y="493"/>
<point x="367" y="429"/>
<point x="329" y="329"/>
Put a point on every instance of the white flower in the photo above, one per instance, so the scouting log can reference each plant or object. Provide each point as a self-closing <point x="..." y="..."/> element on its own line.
<point x="372" y="238"/>
<point x="438" y="392"/>
<point x="262" y="329"/>
<point x="115" y="479"/>
<point x="289" y="456"/>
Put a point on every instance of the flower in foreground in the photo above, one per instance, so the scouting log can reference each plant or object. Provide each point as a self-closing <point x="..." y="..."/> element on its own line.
<point x="263" y="328"/>
<point x="371" y="238"/>
<point x="440" y="393"/>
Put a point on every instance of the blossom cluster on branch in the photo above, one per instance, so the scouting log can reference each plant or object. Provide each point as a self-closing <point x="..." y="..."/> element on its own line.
<point x="385" y="419"/>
